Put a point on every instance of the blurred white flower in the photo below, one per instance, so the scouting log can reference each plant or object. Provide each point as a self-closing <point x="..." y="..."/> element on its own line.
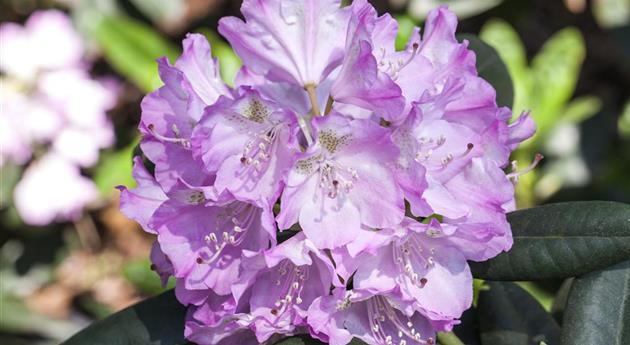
<point x="51" y="107"/>
<point x="52" y="189"/>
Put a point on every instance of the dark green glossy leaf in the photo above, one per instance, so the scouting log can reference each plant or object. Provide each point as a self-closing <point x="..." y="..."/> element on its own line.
<point x="508" y="315"/>
<point x="306" y="340"/>
<point x="468" y="330"/>
<point x="299" y="340"/>
<point x="560" y="301"/>
<point x="155" y="321"/>
<point x="558" y="241"/>
<point x="598" y="308"/>
<point x="491" y="68"/>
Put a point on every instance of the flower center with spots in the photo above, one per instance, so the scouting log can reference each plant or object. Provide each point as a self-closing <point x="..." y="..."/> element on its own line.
<point x="331" y="141"/>
<point x="256" y="111"/>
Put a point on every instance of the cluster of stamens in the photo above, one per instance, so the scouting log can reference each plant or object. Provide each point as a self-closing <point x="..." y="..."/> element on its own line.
<point x="515" y="174"/>
<point x="291" y="281"/>
<point x="380" y="311"/>
<point x="333" y="178"/>
<point x="393" y="68"/>
<point x="229" y="218"/>
<point x="185" y="143"/>
<point x="257" y="151"/>
<point x="409" y="252"/>
<point x="429" y="145"/>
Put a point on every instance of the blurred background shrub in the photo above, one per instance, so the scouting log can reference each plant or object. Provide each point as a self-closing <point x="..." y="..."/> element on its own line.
<point x="77" y="259"/>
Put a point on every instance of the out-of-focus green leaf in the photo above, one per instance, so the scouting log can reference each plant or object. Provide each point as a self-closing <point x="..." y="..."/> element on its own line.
<point x="464" y="9"/>
<point x="155" y="321"/>
<point x="492" y="69"/>
<point x="161" y="11"/>
<point x="405" y="30"/>
<point x="508" y="315"/>
<point x="555" y="71"/>
<point x="9" y="177"/>
<point x="131" y="47"/>
<point x="229" y="62"/>
<point x="502" y="37"/>
<point x="612" y="13"/>
<point x="18" y="318"/>
<point x="139" y="273"/>
<point x="114" y="169"/>
<point x="598" y="308"/>
<point x="558" y="241"/>
<point x="624" y="121"/>
<point x="581" y="109"/>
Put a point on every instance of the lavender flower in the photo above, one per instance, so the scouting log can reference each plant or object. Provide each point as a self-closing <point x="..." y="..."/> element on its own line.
<point x="384" y="167"/>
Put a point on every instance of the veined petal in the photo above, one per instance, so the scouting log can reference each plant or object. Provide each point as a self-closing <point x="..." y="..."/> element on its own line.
<point x="374" y="319"/>
<point x="140" y="203"/>
<point x="296" y="41"/>
<point x="201" y="69"/>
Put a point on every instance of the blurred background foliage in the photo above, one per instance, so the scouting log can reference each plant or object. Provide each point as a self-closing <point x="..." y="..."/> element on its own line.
<point x="570" y="66"/>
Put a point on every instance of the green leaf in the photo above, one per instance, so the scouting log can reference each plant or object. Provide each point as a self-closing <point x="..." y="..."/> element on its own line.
<point x="140" y="274"/>
<point x="405" y="30"/>
<point x="581" y="109"/>
<point x="503" y="37"/>
<point x="558" y="241"/>
<point x="560" y="301"/>
<point x="306" y="340"/>
<point x="161" y="11"/>
<point x="9" y="177"/>
<point x="132" y="47"/>
<point x="508" y="315"/>
<point x="468" y="329"/>
<point x="598" y="308"/>
<point x="155" y="321"/>
<point x="555" y="71"/>
<point x="229" y="62"/>
<point x="299" y="340"/>
<point x="624" y="121"/>
<point x="114" y="169"/>
<point x="491" y="68"/>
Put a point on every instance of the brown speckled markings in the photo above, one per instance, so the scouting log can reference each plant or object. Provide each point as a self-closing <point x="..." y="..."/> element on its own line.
<point x="331" y="142"/>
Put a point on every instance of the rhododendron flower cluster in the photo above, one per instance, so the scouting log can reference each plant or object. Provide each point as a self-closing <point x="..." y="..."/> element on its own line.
<point x="337" y="190"/>
<point x="53" y="115"/>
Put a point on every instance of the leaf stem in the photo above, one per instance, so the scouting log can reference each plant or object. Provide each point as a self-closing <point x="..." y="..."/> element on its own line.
<point x="449" y="339"/>
<point x="312" y="96"/>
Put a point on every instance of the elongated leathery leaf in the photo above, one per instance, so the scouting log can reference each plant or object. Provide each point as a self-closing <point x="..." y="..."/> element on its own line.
<point x="155" y="321"/>
<point x="508" y="315"/>
<point x="562" y="240"/>
<point x="304" y="339"/>
<point x="598" y="308"/>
